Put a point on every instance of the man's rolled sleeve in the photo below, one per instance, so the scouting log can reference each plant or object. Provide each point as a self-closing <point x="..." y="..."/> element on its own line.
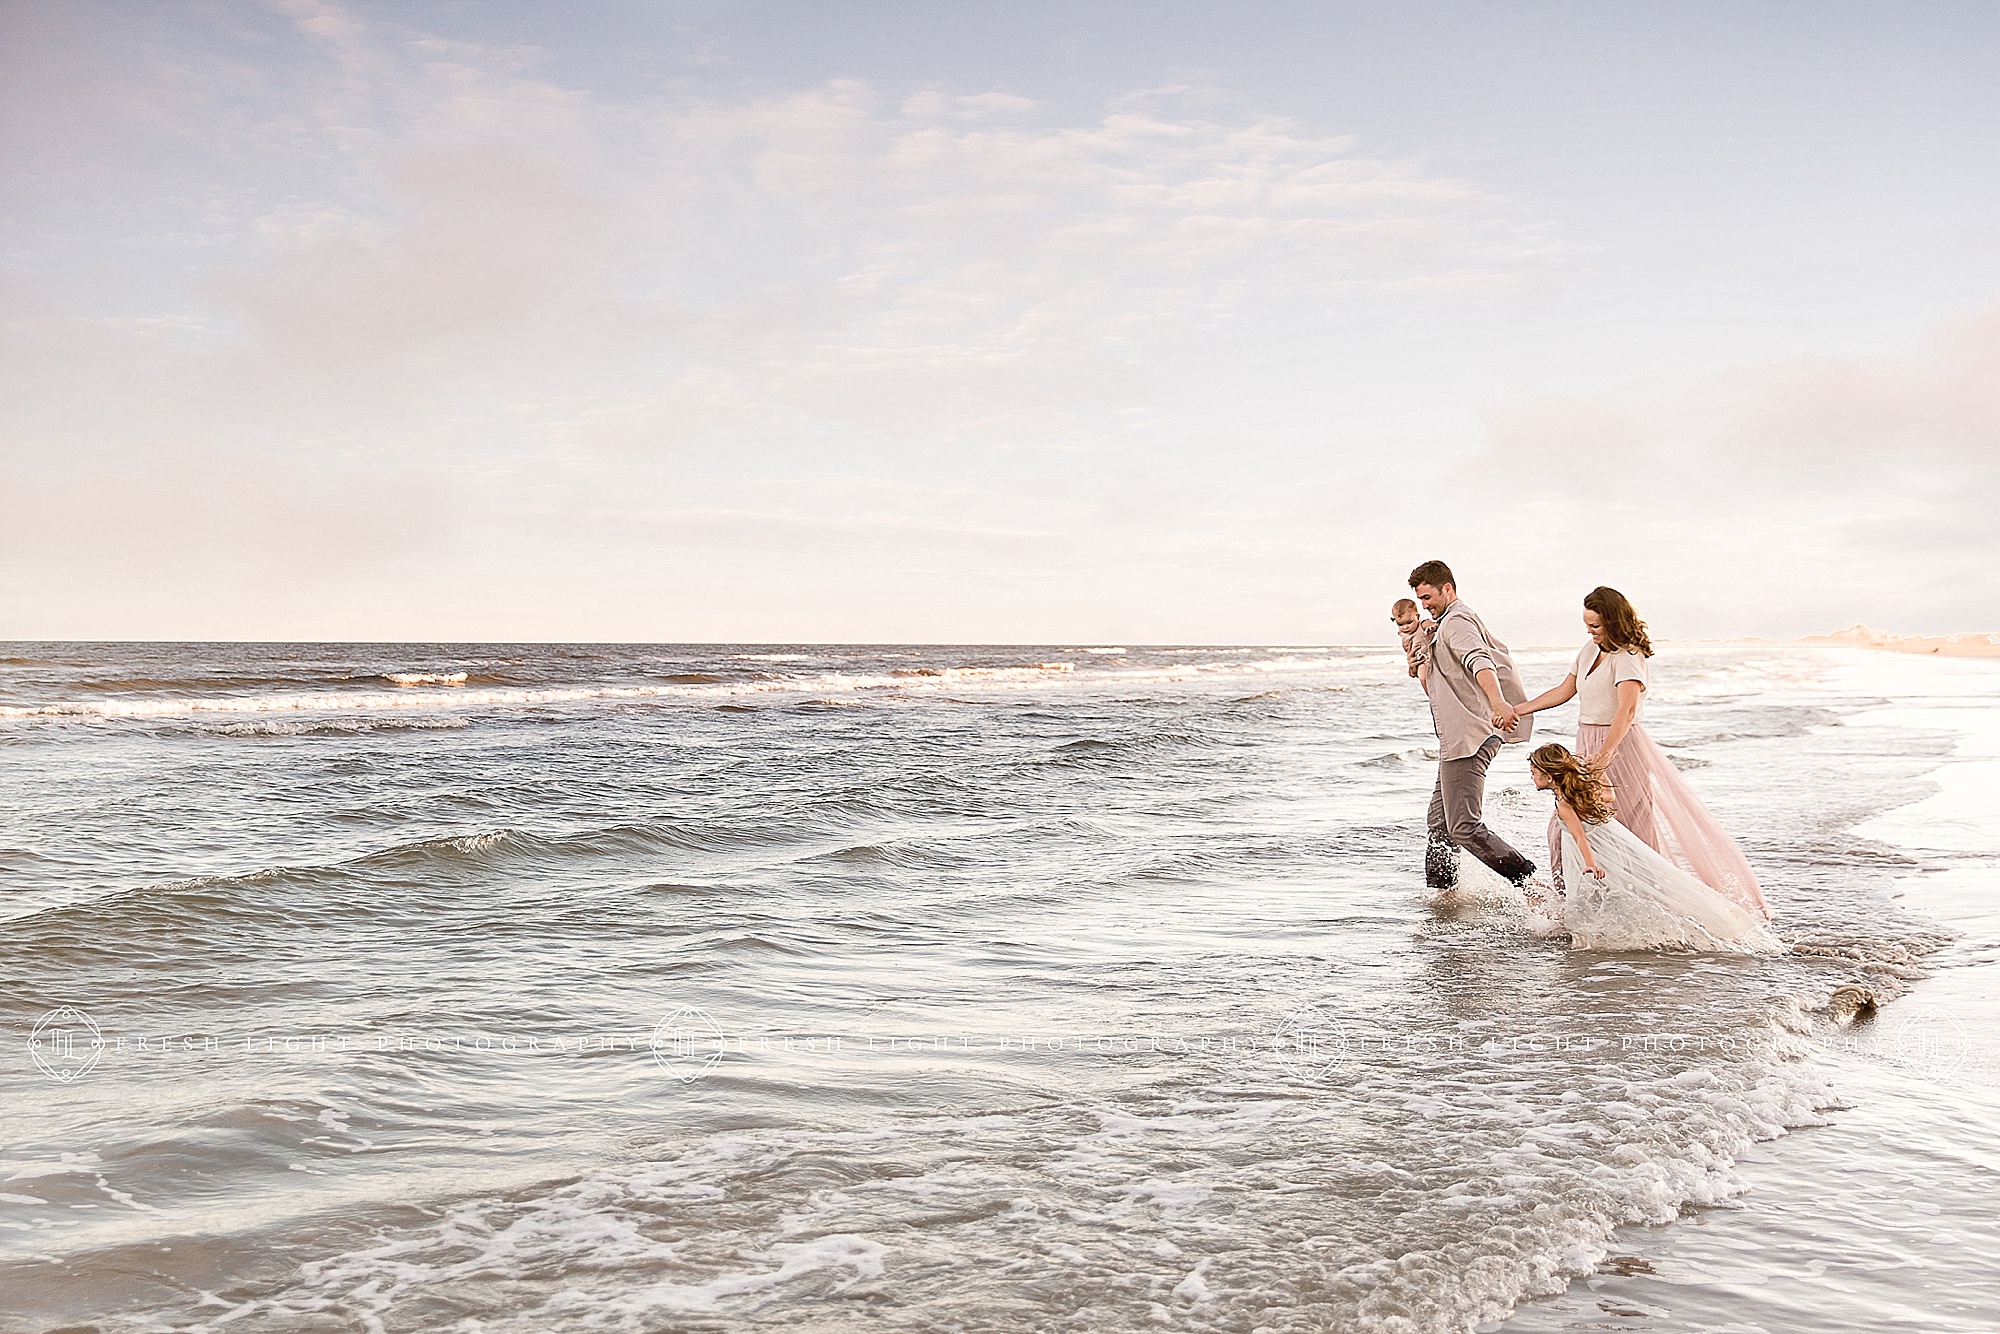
<point x="1467" y="645"/>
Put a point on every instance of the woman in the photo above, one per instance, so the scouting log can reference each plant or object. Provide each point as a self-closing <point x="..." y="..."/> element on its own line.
<point x="1609" y="681"/>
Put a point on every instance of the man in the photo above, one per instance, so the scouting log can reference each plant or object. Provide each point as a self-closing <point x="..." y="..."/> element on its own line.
<point x="1468" y="711"/>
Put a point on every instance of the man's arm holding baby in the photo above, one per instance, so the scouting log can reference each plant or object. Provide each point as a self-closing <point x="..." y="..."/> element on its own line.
<point x="1417" y="643"/>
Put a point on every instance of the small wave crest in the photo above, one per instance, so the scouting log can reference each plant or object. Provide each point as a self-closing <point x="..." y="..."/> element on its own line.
<point x="414" y="690"/>
<point x="337" y="726"/>
<point x="1039" y="670"/>
<point x="425" y="678"/>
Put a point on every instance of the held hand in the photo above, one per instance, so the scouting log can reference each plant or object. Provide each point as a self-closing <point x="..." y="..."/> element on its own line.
<point x="1506" y="717"/>
<point x="1597" y="871"/>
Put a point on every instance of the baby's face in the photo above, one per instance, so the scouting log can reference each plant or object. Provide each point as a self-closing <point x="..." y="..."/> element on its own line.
<point x="1406" y="620"/>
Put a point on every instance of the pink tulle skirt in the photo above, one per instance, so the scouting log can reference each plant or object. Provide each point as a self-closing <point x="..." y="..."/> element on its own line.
<point x="1655" y="803"/>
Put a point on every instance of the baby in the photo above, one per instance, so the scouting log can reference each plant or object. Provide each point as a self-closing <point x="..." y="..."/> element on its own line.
<point x="1418" y="635"/>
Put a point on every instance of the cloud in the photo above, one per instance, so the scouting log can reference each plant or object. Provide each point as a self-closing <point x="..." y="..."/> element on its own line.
<point x="890" y="534"/>
<point x="1777" y="499"/>
<point x="491" y="239"/>
<point x="183" y="542"/>
<point x="953" y="265"/>
<point x="412" y="258"/>
<point x="971" y="263"/>
<point x="1826" y="414"/>
<point x="324" y="300"/>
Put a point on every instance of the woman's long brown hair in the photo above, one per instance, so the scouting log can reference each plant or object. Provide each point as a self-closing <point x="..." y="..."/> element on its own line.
<point x="1576" y="781"/>
<point x="1622" y="626"/>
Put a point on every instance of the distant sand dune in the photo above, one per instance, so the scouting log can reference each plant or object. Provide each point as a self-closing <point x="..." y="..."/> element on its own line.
<point x="1951" y="646"/>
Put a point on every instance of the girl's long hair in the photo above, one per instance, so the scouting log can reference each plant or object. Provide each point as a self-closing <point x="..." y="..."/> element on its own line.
<point x="1576" y="781"/>
<point x="1622" y="626"/>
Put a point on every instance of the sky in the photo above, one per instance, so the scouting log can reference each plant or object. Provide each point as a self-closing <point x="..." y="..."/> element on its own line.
<point x="1078" y="322"/>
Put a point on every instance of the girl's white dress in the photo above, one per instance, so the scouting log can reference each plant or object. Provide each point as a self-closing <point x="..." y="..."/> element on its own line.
<point x="1646" y="902"/>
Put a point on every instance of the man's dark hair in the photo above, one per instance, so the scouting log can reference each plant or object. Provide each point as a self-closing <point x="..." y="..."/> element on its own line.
<point x="1433" y="572"/>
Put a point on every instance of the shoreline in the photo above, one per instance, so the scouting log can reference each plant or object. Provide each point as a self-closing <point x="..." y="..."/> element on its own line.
<point x="1962" y="645"/>
<point x="1892" y="1149"/>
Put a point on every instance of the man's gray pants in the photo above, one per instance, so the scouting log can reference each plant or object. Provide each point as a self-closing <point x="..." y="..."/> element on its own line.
<point x="1457" y="820"/>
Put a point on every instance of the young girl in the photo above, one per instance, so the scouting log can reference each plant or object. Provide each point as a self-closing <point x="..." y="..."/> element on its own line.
<point x="1628" y="896"/>
<point x="1582" y="797"/>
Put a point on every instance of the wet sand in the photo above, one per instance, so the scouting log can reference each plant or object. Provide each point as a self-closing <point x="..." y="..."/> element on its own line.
<point x="1972" y="645"/>
<point x="1887" y="1208"/>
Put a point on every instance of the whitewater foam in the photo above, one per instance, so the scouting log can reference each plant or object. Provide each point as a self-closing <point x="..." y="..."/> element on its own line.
<point x="415" y="697"/>
<point x="1549" y="1174"/>
<point x="1102" y="846"/>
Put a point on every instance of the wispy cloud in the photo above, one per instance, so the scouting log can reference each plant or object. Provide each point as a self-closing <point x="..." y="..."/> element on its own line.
<point x="283" y="281"/>
<point x="942" y="265"/>
<point x="1773" y="499"/>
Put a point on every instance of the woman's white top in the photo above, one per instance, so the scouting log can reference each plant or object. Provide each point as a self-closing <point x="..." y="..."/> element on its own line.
<point x="1597" y="691"/>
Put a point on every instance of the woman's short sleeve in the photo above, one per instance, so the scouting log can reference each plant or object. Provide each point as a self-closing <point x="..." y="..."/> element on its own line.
<point x="1630" y="666"/>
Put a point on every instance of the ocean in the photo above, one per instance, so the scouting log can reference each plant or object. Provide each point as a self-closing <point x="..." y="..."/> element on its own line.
<point x="498" y="988"/>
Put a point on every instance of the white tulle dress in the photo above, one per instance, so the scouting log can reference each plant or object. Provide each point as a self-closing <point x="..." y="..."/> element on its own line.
<point x="1646" y="902"/>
